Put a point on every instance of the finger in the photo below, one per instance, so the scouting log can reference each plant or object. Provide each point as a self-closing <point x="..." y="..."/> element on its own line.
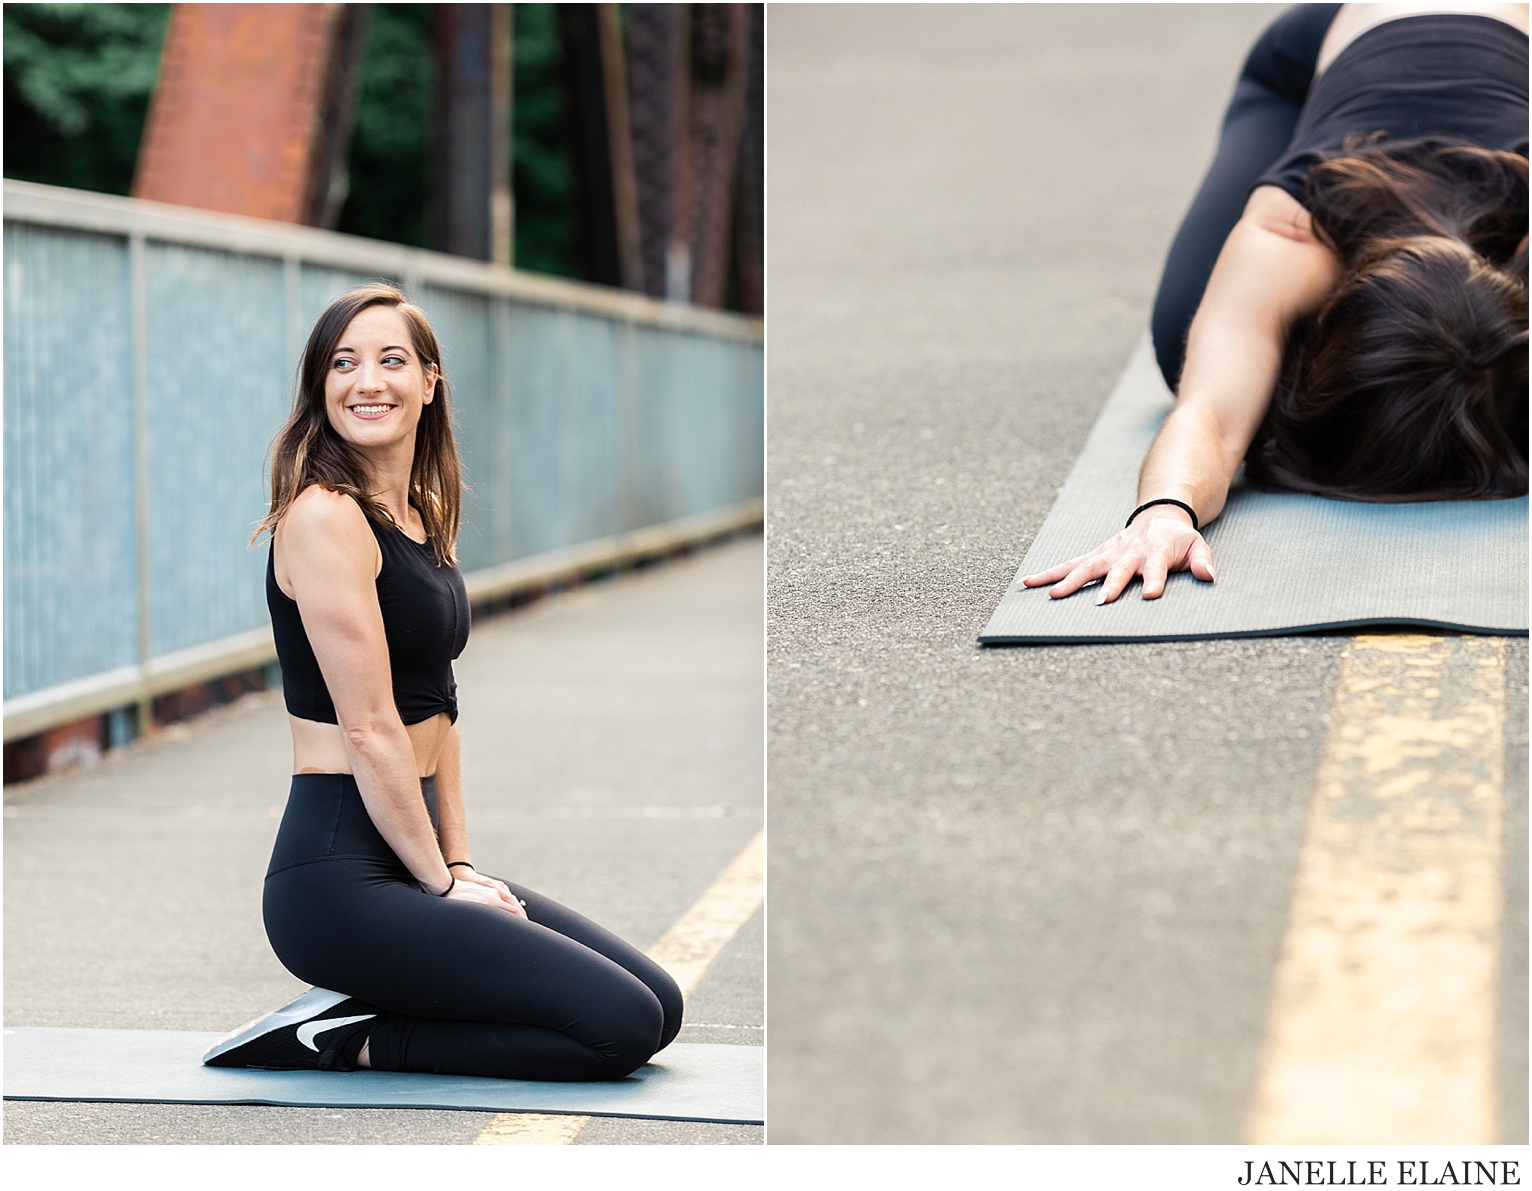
<point x="1117" y="579"/>
<point x="1090" y="568"/>
<point x="1053" y="574"/>
<point x="1156" y="567"/>
<point x="1199" y="560"/>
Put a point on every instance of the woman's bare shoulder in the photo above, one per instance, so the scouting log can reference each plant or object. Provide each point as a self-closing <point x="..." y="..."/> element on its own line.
<point x="1274" y="210"/>
<point x="323" y="521"/>
<point x="323" y="534"/>
<point x="1272" y="269"/>
<point x="321" y="510"/>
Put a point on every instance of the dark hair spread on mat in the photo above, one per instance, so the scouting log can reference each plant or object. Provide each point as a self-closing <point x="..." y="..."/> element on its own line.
<point x="1411" y="382"/>
<point x="308" y="451"/>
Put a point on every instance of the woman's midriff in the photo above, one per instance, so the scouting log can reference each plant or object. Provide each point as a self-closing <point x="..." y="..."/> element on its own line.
<point x="320" y="748"/>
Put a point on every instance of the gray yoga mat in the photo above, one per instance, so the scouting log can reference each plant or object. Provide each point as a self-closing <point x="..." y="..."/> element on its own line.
<point x="1286" y="563"/>
<point x="685" y="1082"/>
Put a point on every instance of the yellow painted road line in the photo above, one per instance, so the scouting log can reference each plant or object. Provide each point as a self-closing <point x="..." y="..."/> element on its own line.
<point x="1382" y="1021"/>
<point x="685" y="951"/>
<point x="530" y="1129"/>
<point x="690" y="946"/>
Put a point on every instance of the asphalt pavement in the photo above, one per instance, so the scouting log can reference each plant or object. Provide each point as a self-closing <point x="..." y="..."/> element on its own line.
<point x="612" y="759"/>
<point x="1032" y="894"/>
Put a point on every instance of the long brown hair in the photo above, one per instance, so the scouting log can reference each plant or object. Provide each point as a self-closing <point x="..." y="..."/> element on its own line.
<point x="1410" y="383"/>
<point x="307" y="450"/>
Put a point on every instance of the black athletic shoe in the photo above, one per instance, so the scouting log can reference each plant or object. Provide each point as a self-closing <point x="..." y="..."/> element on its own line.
<point x="305" y="1034"/>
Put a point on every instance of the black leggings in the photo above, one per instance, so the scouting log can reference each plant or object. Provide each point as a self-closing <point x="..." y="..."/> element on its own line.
<point x="1256" y="129"/>
<point x="465" y="989"/>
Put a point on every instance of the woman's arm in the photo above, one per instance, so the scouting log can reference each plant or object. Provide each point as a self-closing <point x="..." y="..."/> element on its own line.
<point x="331" y="559"/>
<point x="452" y="827"/>
<point x="1272" y="269"/>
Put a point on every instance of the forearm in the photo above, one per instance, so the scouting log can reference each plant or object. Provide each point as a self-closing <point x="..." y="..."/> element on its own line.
<point x="1232" y="360"/>
<point x="383" y="762"/>
<point x="1189" y="462"/>
<point x="452" y="826"/>
<point x="1271" y="271"/>
<point x="454" y="832"/>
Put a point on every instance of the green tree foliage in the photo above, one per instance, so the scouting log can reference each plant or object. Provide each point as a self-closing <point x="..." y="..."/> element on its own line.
<point x="390" y="162"/>
<point x="542" y="174"/>
<point x="390" y="159"/>
<point x="78" y="78"/>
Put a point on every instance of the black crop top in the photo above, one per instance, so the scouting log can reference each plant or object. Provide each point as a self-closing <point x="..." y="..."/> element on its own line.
<point x="425" y="620"/>
<point x="1457" y="77"/>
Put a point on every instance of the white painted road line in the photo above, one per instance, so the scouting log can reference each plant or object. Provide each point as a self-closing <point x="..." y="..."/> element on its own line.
<point x="685" y="951"/>
<point x="1382" y="1022"/>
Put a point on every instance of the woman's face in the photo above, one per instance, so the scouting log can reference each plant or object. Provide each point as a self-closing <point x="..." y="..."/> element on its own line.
<point x="376" y="386"/>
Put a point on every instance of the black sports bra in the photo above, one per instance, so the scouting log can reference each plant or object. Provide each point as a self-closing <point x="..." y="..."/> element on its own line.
<point x="425" y="619"/>
<point x="1454" y="77"/>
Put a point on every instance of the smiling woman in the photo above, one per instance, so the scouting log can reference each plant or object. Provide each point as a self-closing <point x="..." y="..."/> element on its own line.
<point x="421" y="963"/>
<point x="372" y="344"/>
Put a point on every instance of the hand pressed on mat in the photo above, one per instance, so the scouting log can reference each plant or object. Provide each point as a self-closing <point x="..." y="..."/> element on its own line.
<point x="1271" y="269"/>
<point x="1159" y="541"/>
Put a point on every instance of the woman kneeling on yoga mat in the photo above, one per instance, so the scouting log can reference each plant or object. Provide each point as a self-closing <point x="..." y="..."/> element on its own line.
<point x="1344" y="309"/>
<point x="422" y="963"/>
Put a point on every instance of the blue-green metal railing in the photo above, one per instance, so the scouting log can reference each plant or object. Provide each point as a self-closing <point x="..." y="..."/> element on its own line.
<point x="149" y="358"/>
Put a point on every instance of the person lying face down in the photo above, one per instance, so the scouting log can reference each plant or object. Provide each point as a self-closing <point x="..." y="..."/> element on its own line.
<point x="1344" y="309"/>
<point x="1410" y="382"/>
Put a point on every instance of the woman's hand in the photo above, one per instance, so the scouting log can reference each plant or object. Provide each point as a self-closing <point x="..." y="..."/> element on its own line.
<point x="1159" y="541"/>
<point x="476" y="887"/>
<point x="1272" y="270"/>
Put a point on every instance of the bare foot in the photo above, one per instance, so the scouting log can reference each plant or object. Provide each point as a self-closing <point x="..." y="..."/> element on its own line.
<point x="363" y="1058"/>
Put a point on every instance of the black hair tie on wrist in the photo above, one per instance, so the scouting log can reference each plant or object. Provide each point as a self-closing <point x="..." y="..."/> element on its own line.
<point x="1166" y="500"/>
<point x="451" y="885"/>
<point x="460" y="864"/>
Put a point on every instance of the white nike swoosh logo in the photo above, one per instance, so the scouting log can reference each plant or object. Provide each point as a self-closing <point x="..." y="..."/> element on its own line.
<point x="310" y="1030"/>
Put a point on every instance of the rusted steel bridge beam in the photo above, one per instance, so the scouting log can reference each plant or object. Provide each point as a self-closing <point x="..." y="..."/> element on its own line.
<point x="659" y="82"/>
<point x="471" y="205"/>
<point x="695" y="105"/>
<point x="595" y="82"/>
<point x="750" y="191"/>
<point x="252" y="112"/>
<point x="720" y="45"/>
